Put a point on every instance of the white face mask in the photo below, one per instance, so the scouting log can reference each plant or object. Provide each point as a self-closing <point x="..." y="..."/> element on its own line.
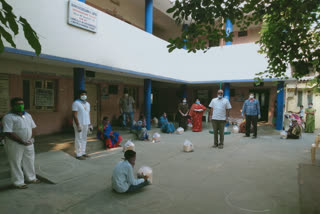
<point x="310" y="106"/>
<point x="184" y="101"/>
<point x="220" y="96"/>
<point x="251" y="96"/>
<point x="126" y="95"/>
<point x="83" y="97"/>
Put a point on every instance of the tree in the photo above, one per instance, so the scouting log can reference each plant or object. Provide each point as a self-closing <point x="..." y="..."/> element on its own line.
<point x="290" y="33"/>
<point x="9" y="25"/>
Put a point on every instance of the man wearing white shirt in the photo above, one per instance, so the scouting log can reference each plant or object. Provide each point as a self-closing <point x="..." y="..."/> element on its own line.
<point x="17" y="126"/>
<point x="81" y="124"/>
<point x="219" y="114"/>
<point x="122" y="176"/>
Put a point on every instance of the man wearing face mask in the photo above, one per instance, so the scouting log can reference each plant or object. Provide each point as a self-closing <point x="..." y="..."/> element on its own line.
<point x="219" y="114"/>
<point x="251" y="112"/>
<point x="81" y="124"/>
<point x="127" y="107"/>
<point x="17" y="126"/>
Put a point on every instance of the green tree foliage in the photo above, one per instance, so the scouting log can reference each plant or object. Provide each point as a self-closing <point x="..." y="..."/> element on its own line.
<point x="9" y="27"/>
<point x="290" y="31"/>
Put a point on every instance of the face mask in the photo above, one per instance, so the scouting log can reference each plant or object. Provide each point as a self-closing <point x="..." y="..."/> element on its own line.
<point x="251" y="97"/>
<point x="83" y="97"/>
<point x="184" y="101"/>
<point x="197" y="102"/>
<point x="126" y="95"/>
<point x="310" y="106"/>
<point x="18" y="108"/>
<point x="220" y="96"/>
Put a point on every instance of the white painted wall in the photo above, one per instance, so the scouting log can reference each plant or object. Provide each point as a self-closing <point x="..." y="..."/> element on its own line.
<point x="118" y="44"/>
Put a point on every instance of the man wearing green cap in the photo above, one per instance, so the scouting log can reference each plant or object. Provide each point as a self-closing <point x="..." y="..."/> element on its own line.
<point x="17" y="126"/>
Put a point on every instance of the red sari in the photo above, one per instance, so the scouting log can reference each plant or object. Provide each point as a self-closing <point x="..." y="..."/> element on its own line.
<point x="197" y="116"/>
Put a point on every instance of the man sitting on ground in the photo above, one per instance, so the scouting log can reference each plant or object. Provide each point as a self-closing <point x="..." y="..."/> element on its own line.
<point x="295" y="130"/>
<point x="122" y="176"/>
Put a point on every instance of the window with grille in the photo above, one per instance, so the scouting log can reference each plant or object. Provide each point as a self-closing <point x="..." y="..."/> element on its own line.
<point x="310" y="97"/>
<point x="39" y="95"/>
<point x="300" y="95"/>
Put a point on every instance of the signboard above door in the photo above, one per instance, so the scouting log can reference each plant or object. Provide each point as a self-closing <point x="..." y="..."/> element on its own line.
<point x="82" y="15"/>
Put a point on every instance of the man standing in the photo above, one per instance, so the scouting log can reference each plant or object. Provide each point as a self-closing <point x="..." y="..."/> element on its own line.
<point x="220" y="110"/>
<point x="127" y="106"/>
<point x="17" y="126"/>
<point x="251" y="112"/>
<point x="81" y="124"/>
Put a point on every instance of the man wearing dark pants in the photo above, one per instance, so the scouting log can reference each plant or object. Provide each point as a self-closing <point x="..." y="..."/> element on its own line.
<point x="219" y="114"/>
<point x="251" y="111"/>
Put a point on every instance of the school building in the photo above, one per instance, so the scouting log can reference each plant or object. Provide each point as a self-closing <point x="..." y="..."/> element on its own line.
<point x="105" y="46"/>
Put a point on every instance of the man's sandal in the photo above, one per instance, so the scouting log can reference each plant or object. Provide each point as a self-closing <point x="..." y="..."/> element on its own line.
<point x="22" y="186"/>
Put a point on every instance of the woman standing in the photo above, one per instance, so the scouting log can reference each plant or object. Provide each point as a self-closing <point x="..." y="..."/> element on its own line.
<point x="183" y="110"/>
<point x="196" y="113"/>
<point x="310" y="119"/>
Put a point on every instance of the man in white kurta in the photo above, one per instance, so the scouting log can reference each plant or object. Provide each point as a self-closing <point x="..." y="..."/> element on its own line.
<point x="17" y="126"/>
<point x="81" y="124"/>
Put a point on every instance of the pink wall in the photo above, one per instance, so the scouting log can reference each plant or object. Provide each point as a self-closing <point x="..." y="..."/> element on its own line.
<point x="48" y="122"/>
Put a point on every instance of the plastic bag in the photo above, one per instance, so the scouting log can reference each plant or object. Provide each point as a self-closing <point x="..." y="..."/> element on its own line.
<point x="235" y="129"/>
<point x="145" y="171"/>
<point x="180" y="130"/>
<point x="156" y="137"/>
<point x="129" y="145"/>
<point x="155" y="121"/>
<point x="283" y="134"/>
<point x="190" y="125"/>
<point x="187" y="146"/>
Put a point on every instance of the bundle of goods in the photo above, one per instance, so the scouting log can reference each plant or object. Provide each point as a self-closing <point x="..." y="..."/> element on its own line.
<point x="180" y="130"/>
<point x="128" y="146"/>
<point x="187" y="146"/>
<point x="156" y="138"/>
<point x="145" y="171"/>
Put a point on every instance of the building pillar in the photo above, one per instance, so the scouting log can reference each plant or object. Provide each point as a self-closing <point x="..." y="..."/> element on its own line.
<point x="280" y="102"/>
<point x="147" y="102"/>
<point x="185" y="29"/>
<point x="229" y="29"/>
<point x="149" y="16"/>
<point x="78" y="81"/>
<point x="227" y="91"/>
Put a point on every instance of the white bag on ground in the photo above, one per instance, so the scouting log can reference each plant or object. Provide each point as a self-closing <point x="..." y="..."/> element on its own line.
<point x="235" y="129"/>
<point x="180" y="130"/>
<point x="155" y="121"/>
<point x="156" y="137"/>
<point x="187" y="146"/>
<point x="190" y="125"/>
<point x="283" y="134"/>
<point x="128" y="146"/>
<point x="145" y="171"/>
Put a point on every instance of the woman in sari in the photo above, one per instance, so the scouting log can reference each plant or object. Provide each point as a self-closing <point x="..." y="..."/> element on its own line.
<point x="183" y="110"/>
<point x="140" y="128"/>
<point x="310" y="119"/>
<point x="196" y="113"/>
<point x="111" y="139"/>
<point x="165" y="125"/>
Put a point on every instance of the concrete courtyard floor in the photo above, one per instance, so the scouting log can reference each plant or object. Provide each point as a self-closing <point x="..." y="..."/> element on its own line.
<point x="247" y="176"/>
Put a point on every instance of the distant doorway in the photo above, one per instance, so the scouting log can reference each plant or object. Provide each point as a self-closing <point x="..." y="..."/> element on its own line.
<point x="263" y="97"/>
<point x="93" y="100"/>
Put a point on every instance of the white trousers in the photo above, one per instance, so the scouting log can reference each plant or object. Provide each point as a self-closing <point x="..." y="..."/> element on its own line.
<point x="80" y="140"/>
<point x="21" y="161"/>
